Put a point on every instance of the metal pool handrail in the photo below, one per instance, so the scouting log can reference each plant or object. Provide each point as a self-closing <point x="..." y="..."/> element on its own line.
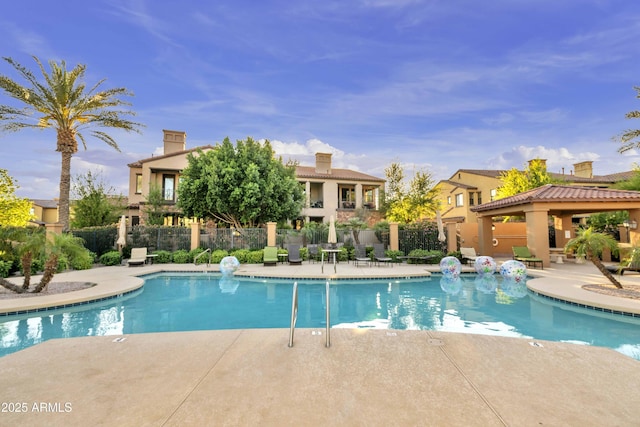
<point x="202" y="253"/>
<point x="294" y="315"/>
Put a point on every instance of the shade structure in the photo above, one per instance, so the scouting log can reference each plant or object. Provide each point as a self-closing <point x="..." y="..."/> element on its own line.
<point x="333" y="237"/>
<point x="122" y="233"/>
<point x="441" y="236"/>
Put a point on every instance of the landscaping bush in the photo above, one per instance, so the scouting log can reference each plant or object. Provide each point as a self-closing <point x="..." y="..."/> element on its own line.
<point x="193" y="254"/>
<point x="343" y="255"/>
<point x="83" y="261"/>
<point x="182" y="256"/>
<point x="304" y="253"/>
<point x="436" y="256"/>
<point x="111" y="258"/>
<point x="63" y="263"/>
<point x="394" y="255"/>
<point x="5" y="268"/>
<point x="162" y="257"/>
<point x="241" y="255"/>
<point x="255" y="257"/>
<point x="217" y="255"/>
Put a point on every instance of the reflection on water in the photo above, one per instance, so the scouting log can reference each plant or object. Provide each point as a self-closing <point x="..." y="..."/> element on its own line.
<point x="471" y="304"/>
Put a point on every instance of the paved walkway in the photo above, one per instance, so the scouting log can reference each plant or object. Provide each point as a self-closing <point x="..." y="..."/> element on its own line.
<point x="367" y="377"/>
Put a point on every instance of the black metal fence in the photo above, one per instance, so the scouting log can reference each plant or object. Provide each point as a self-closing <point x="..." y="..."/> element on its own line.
<point x="231" y="239"/>
<point x="420" y="239"/>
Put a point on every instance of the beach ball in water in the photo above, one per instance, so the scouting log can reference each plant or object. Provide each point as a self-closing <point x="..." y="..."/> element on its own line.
<point x="486" y="283"/>
<point x="228" y="284"/>
<point x="514" y="270"/>
<point x="229" y="264"/>
<point x="513" y="288"/>
<point x="450" y="284"/>
<point x="485" y="265"/>
<point x="450" y="267"/>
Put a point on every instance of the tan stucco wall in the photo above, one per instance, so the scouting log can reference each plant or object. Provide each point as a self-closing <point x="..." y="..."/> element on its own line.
<point x="507" y="234"/>
<point x="482" y="184"/>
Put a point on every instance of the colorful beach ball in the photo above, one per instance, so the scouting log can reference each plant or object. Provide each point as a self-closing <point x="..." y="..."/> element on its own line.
<point x="486" y="283"/>
<point x="514" y="289"/>
<point x="451" y="285"/>
<point x="450" y="267"/>
<point x="229" y="264"/>
<point x="485" y="265"/>
<point x="514" y="270"/>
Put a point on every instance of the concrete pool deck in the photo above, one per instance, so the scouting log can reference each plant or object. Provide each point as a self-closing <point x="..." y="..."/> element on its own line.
<point x="366" y="377"/>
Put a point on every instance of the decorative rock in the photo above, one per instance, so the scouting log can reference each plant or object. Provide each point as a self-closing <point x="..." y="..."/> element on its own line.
<point x="450" y="267"/>
<point x="228" y="265"/>
<point x="485" y="265"/>
<point x="514" y="270"/>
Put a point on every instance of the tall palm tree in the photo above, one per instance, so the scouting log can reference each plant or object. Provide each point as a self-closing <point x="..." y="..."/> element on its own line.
<point x="63" y="103"/>
<point x="630" y="138"/>
<point x="590" y="243"/>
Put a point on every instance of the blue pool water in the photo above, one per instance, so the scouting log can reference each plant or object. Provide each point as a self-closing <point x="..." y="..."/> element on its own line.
<point x="184" y="302"/>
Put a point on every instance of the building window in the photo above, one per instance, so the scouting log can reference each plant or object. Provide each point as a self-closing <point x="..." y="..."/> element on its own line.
<point x="494" y="193"/>
<point x="479" y="196"/>
<point x="460" y="199"/>
<point x="138" y="183"/>
<point x="471" y="199"/>
<point x="448" y="200"/>
<point x="168" y="187"/>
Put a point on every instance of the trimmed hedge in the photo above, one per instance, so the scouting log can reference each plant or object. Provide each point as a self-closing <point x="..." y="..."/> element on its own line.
<point x="111" y="258"/>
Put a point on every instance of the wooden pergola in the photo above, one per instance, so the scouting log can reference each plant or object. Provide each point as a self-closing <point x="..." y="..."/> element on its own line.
<point x="561" y="202"/>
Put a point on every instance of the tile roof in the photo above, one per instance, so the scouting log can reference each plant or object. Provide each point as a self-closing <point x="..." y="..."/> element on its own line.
<point x="604" y="179"/>
<point x="458" y="184"/>
<point x="561" y="193"/>
<point x="347" y="174"/>
<point x="49" y="204"/>
<point x="138" y="163"/>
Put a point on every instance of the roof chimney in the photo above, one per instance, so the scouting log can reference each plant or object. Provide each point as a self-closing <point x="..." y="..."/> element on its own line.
<point x="323" y="163"/>
<point x="174" y="141"/>
<point x="584" y="169"/>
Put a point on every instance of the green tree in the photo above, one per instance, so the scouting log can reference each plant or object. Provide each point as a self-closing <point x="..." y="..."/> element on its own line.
<point x="632" y="183"/>
<point x="590" y="244"/>
<point x="37" y="245"/>
<point x="629" y="138"/>
<point x="514" y="181"/>
<point x="408" y="203"/>
<point x="95" y="202"/>
<point x="63" y="103"/>
<point x="154" y="209"/>
<point x="242" y="185"/>
<point x="14" y="211"/>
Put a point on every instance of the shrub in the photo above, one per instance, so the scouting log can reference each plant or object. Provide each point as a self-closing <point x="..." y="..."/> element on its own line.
<point x="5" y="268"/>
<point x="63" y="263"/>
<point x="394" y="255"/>
<point x="217" y="255"/>
<point x="255" y="257"/>
<point x="82" y="261"/>
<point x="304" y="253"/>
<point x="241" y="254"/>
<point x="111" y="258"/>
<point x="162" y="257"/>
<point x="181" y="256"/>
<point x="343" y="255"/>
<point x="436" y="256"/>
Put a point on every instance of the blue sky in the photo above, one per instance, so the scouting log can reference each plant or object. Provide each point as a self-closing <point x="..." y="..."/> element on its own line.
<point x="434" y="85"/>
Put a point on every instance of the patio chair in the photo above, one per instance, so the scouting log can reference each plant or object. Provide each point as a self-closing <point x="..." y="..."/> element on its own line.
<point x="138" y="257"/>
<point x="379" y="255"/>
<point x="314" y="252"/>
<point x="522" y="254"/>
<point x="360" y="255"/>
<point x="469" y="255"/>
<point x="294" y="255"/>
<point x="270" y="256"/>
<point x="631" y="264"/>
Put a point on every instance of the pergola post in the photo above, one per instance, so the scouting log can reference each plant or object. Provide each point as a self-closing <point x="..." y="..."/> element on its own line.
<point x="634" y="233"/>
<point x="538" y="232"/>
<point x="485" y="235"/>
<point x="564" y="229"/>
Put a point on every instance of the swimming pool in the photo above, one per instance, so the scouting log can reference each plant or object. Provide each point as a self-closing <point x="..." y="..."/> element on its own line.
<point x="195" y="301"/>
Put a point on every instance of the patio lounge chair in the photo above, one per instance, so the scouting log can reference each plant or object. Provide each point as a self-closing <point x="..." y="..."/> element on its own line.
<point x="379" y="256"/>
<point x="469" y="255"/>
<point x="138" y="257"/>
<point x="360" y="255"/>
<point x="522" y="254"/>
<point x="632" y="264"/>
<point x="270" y="255"/>
<point x="294" y="254"/>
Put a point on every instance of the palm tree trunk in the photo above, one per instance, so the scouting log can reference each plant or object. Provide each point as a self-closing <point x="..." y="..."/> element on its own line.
<point x="27" y="262"/>
<point x="15" y="288"/>
<point x="65" y="187"/>
<point x="596" y="261"/>
<point x="50" y="268"/>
